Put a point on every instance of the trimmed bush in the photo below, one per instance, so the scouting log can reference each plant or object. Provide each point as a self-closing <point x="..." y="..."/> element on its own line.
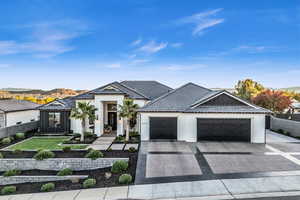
<point x="12" y="172"/>
<point x="133" y="133"/>
<point x="90" y="149"/>
<point x="6" y="140"/>
<point x="280" y="131"/>
<point x="1" y="156"/>
<point x="8" y="190"/>
<point x="47" y="187"/>
<point x="94" y="154"/>
<point x="76" y="135"/>
<point x="125" y="179"/>
<point x="132" y="149"/>
<point x="65" y="172"/>
<point x="44" y="154"/>
<point x="119" y="166"/>
<point x="20" y="136"/>
<point x="88" y="183"/>
<point x="17" y="151"/>
<point x="120" y="139"/>
<point x="12" y="138"/>
<point x="67" y="149"/>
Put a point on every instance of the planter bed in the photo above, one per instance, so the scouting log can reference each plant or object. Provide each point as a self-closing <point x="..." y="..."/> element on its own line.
<point x="98" y="174"/>
<point x="88" y="140"/>
<point x="27" y="135"/>
<point x="61" y="154"/>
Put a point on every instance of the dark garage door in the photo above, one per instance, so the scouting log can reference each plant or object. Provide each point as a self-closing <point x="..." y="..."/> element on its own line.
<point x="224" y="129"/>
<point x="163" y="128"/>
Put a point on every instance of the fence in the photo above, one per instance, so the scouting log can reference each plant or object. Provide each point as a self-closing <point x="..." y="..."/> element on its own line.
<point x="12" y="130"/>
<point x="295" y="117"/>
<point x="293" y="127"/>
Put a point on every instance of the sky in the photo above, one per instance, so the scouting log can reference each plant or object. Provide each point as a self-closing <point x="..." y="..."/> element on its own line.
<point x="83" y="44"/>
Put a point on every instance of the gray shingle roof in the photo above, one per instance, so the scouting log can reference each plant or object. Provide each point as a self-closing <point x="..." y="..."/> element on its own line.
<point x="177" y="100"/>
<point x="118" y="89"/>
<point x="184" y="98"/>
<point x="60" y="104"/>
<point x="150" y="89"/>
<point x="12" y="105"/>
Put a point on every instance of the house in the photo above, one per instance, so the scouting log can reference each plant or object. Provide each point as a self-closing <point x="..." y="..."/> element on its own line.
<point x="55" y="116"/>
<point x="189" y="113"/>
<point x="295" y="107"/>
<point x="15" y="112"/>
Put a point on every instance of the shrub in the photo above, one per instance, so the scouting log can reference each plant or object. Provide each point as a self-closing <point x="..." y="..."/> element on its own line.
<point x="65" y="172"/>
<point x="38" y="150"/>
<point x="132" y="149"/>
<point x="8" y="190"/>
<point x="44" y="154"/>
<point x="120" y="138"/>
<point x="109" y="149"/>
<point x="88" y="183"/>
<point x="94" y="154"/>
<point x="76" y="135"/>
<point x="90" y="149"/>
<point x="12" y="138"/>
<point x="280" y="131"/>
<point x="12" y="172"/>
<point x="6" y="140"/>
<point x="67" y="149"/>
<point x="125" y="179"/>
<point x="88" y="134"/>
<point x="20" y="136"/>
<point x="119" y="166"/>
<point x="1" y="156"/>
<point x="17" y="151"/>
<point x="47" y="187"/>
<point x="133" y="134"/>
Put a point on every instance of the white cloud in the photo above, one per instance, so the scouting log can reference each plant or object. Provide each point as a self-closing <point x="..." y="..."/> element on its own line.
<point x="153" y="47"/>
<point x="251" y="49"/>
<point x="139" y="61"/>
<point x="113" y="65"/>
<point x="136" y="42"/>
<point x="46" y="39"/>
<point x="202" y="20"/>
<point x="176" y="45"/>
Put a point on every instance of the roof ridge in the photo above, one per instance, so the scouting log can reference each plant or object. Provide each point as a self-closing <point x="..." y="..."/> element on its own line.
<point x="139" y="93"/>
<point x="166" y="94"/>
<point x="148" y="81"/>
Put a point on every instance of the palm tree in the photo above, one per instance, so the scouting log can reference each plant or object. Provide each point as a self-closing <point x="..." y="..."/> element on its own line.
<point x="128" y="111"/>
<point x="82" y="112"/>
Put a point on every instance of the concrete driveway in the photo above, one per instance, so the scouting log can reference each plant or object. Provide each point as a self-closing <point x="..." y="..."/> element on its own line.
<point x="161" y="162"/>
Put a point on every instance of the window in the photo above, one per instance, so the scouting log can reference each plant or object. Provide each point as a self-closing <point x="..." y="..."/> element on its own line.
<point x="54" y="119"/>
<point x="112" y="107"/>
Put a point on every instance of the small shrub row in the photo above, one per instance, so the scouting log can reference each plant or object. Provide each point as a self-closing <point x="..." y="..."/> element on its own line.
<point x="8" y="140"/>
<point x="12" y="172"/>
<point x="88" y="183"/>
<point x="125" y="179"/>
<point x="47" y="187"/>
<point x="8" y="190"/>
<point x="65" y="172"/>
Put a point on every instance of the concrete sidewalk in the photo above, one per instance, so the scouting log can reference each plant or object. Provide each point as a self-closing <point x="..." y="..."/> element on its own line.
<point x="211" y="189"/>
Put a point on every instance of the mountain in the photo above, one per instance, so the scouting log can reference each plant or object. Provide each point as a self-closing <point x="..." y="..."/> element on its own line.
<point x="295" y="89"/>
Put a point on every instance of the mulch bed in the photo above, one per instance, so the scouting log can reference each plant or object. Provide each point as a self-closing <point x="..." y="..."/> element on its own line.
<point x="61" y="154"/>
<point x="27" y="135"/>
<point x="68" y="185"/>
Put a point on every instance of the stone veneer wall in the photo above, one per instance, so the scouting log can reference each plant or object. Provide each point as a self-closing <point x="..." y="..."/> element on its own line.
<point x="76" y="164"/>
<point x="35" y="179"/>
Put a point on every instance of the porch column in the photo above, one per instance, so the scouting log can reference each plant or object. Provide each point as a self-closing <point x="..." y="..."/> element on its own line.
<point x="120" y="123"/>
<point x="99" y="118"/>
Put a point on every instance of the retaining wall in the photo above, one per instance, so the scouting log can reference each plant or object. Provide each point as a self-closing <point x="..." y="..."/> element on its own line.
<point x="76" y="164"/>
<point x="12" y="130"/>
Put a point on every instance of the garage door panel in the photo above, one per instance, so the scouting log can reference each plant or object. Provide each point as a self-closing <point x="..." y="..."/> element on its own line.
<point x="163" y="128"/>
<point x="224" y="129"/>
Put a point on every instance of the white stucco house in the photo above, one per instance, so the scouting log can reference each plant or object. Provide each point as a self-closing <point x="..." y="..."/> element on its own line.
<point x="14" y="112"/>
<point x="189" y="113"/>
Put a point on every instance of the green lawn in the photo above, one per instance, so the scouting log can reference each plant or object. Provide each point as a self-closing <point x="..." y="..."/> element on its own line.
<point x="49" y="143"/>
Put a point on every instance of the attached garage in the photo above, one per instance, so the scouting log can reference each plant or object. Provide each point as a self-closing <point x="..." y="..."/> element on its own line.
<point x="163" y="128"/>
<point x="224" y="129"/>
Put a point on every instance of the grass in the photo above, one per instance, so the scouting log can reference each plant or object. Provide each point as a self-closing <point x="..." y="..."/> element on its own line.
<point x="49" y="143"/>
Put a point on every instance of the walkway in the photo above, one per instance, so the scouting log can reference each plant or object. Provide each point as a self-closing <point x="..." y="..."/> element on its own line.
<point x="102" y="143"/>
<point x="273" y="137"/>
<point x="214" y="189"/>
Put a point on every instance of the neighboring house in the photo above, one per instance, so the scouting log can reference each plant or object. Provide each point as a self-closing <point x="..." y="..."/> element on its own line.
<point x="190" y="113"/>
<point x="55" y="116"/>
<point x="15" y="112"/>
<point x="295" y="107"/>
<point x="193" y="113"/>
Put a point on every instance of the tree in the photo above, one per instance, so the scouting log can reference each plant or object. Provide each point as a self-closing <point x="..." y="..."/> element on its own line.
<point x="248" y="89"/>
<point x="275" y="101"/>
<point x="82" y="112"/>
<point x="128" y="111"/>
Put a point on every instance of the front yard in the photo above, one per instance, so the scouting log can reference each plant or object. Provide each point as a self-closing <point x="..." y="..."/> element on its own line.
<point x="49" y="143"/>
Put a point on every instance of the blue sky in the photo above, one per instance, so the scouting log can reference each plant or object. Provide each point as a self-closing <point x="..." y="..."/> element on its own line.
<point x="83" y="44"/>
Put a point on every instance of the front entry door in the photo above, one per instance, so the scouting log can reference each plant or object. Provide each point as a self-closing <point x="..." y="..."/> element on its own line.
<point x="112" y="120"/>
